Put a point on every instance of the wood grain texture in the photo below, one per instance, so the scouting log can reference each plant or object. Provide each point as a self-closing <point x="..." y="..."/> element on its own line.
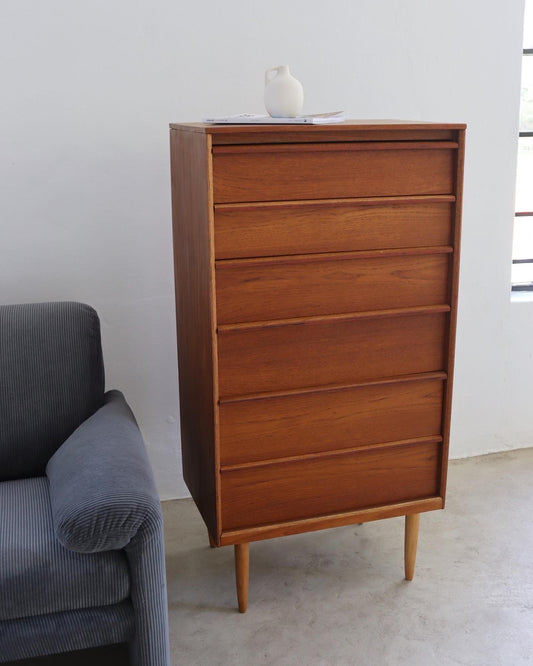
<point x="330" y="134"/>
<point x="314" y="487"/>
<point x="329" y="351"/>
<point x="350" y="130"/>
<point x="453" y="287"/>
<point x="242" y="574"/>
<point x="255" y="290"/>
<point x="412" y="523"/>
<point x="327" y="328"/>
<point x="304" y="172"/>
<point x="261" y="230"/>
<point x="299" y="424"/>
<point x="273" y="530"/>
<point x="192" y="230"/>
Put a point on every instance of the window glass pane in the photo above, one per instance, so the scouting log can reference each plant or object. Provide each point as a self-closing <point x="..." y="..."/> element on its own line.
<point x="523" y="238"/>
<point x="522" y="273"/>
<point x="524" y="176"/>
<point x="526" y="95"/>
<point x="528" y="25"/>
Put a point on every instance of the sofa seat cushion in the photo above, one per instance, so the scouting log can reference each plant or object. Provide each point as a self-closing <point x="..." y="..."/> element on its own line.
<point x="38" y="575"/>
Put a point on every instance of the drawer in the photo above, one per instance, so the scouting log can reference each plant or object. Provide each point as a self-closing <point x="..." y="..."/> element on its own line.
<point x="335" y="350"/>
<point x="262" y="230"/>
<point x="329" y="420"/>
<point x="263" y="289"/>
<point x="329" y="171"/>
<point x="323" y="485"/>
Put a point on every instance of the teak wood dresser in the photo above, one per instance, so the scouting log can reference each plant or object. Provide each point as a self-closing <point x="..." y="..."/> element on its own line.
<point x="316" y="277"/>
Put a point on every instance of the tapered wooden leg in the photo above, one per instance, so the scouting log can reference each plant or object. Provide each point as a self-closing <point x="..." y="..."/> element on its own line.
<point x="211" y="541"/>
<point x="242" y="569"/>
<point x="411" y="540"/>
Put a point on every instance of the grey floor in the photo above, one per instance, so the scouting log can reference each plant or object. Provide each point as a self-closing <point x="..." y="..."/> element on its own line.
<point x="338" y="596"/>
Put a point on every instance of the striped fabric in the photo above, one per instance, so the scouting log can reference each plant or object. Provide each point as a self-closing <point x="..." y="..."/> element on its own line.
<point x="81" y="549"/>
<point x="40" y="576"/>
<point x="51" y="379"/>
<point x="104" y="506"/>
<point x="63" y="632"/>
<point x="114" y="503"/>
<point x="150" y="643"/>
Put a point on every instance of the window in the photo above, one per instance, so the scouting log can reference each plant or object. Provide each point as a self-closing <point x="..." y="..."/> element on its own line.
<point x="522" y="272"/>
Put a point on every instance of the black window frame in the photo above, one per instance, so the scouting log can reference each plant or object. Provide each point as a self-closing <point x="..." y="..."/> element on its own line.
<point x="524" y="286"/>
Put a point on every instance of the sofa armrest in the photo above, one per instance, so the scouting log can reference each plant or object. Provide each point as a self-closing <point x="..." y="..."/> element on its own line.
<point x="101" y="485"/>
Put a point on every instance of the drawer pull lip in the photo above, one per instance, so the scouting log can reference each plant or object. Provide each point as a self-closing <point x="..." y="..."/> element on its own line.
<point x="331" y="388"/>
<point x="348" y="316"/>
<point x="348" y="201"/>
<point x="332" y="256"/>
<point x="432" y="439"/>
<point x="334" y="147"/>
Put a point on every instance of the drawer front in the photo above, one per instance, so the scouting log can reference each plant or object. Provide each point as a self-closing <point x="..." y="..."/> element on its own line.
<point x="300" y="424"/>
<point x="329" y="351"/>
<point x="275" y="229"/>
<point x="325" y="485"/>
<point x="329" y="171"/>
<point x="260" y="290"/>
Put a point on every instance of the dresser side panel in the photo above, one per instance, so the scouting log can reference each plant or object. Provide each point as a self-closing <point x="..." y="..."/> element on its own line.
<point x="453" y="288"/>
<point x="192" y="237"/>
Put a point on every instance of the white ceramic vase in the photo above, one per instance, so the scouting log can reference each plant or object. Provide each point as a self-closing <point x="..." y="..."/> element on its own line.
<point x="284" y="95"/>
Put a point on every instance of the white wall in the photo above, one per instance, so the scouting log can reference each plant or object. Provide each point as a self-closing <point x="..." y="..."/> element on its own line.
<point x="86" y="94"/>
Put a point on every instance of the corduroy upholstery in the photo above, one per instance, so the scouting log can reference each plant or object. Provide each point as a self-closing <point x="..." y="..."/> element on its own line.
<point x="81" y="546"/>
<point x="126" y="493"/>
<point x="41" y="576"/>
<point x="51" y="379"/>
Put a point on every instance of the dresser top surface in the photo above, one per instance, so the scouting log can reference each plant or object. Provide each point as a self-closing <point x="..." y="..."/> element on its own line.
<point x="345" y="131"/>
<point x="368" y="124"/>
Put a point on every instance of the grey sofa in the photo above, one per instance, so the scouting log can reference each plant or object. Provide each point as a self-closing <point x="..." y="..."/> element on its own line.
<point x="81" y="546"/>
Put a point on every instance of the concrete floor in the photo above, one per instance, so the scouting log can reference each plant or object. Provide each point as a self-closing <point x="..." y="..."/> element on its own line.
<point x="338" y="596"/>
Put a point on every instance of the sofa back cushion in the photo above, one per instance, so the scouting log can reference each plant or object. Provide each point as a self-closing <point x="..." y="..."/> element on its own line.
<point x="51" y="380"/>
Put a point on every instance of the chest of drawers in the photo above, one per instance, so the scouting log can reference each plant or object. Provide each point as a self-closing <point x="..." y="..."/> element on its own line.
<point x="316" y="277"/>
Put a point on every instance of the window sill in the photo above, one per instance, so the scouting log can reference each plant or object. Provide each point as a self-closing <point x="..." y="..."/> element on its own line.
<point x="521" y="296"/>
